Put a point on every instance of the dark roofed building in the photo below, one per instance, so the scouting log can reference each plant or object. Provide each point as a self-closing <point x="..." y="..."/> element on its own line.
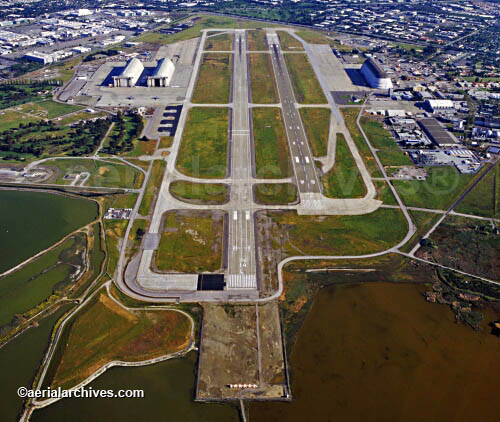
<point x="436" y="133"/>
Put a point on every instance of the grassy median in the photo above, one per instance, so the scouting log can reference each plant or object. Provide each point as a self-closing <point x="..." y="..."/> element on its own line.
<point x="306" y="86"/>
<point x="214" y="80"/>
<point x="262" y="80"/>
<point x="203" y="150"/>
<point x="275" y="193"/>
<point x="200" y="193"/>
<point x="350" y="116"/>
<point x="221" y="42"/>
<point x="336" y="235"/>
<point x="312" y="37"/>
<point x="384" y="192"/>
<point x="152" y="187"/>
<point x="191" y="242"/>
<point x="288" y="42"/>
<point x="272" y="158"/>
<point x="344" y="179"/>
<point x="317" y="125"/>
<point x="257" y="40"/>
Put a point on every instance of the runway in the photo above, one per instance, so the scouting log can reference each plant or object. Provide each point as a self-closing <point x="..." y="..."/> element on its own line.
<point x="241" y="253"/>
<point x="302" y="158"/>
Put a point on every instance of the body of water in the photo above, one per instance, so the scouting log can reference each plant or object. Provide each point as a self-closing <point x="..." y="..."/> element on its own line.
<point x="168" y="396"/>
<point x="380" y="352"/>
<point x="33" y="221"/>
<point x="19" y="361"/>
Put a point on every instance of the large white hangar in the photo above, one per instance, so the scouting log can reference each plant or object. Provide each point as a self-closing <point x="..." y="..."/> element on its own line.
<point x="375" y="75"/>
<point x="159" y="77"/>
<point x="129" y="75"/>
<point x="162" y="75"/>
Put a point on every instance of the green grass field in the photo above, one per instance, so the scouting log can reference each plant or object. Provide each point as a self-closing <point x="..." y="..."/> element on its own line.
<point x="272" y="157"/>
<point x="339" y="235"/>
<point x="350" y="116"/>
<point x="10" y="119"/>
<point x="120" y="335"/>
<point x="262" y="82"/>
<point x="102" y="173"/>
<point x="153" y="186"/>
<point x="484" y="199"/>
<point x="115" y="230"/>
<point x="384" y="193"/>
<point x="166" y="141"/>
<point x="203" y="150"/>
<point x="191" y="242"/>
<point x="344" y="180"/>
<point x="312" y="37"/>
<point x="317" y="125"/>
<point x="29" y="286"/>
<point x="58" y="109"/>
<point x="257" y="40"/>
<point x="288" y="42"/>
<point x="389" y="152"/>
<point x="141" y="147"/>
<point x="200" y="193"/>
<point x="214" y="80"/>
<point x="441" y="188"/>
<point x="306" y="86"/>
<point x="124" y="200"/>
<point x="48" y="109"/>
<point x="221" y="42"/>
<point x="275" y="193"/>
<point x="81" y="115"/>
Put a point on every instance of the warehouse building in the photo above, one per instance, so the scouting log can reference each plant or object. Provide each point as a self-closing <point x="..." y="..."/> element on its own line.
<point x="437" y="133"/>
<point x="375" y="75"/>
<point x="130" y="74"/>
<point x="439" y="105"/>
<point x="162" y="75"/>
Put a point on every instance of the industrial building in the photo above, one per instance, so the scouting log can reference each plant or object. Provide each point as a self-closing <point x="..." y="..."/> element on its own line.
<point x="375" y="75"/>
<point x="439" y="105"/>
<point x="130" y="74"/>
<point x="437" y="133"/>
<point x="46" y="58"/>
<point x="162" y="75"/>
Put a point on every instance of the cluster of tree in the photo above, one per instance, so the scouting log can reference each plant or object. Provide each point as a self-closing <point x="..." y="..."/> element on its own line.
<point x="81" y="140"/>
<point x="123" y="137"/>
<point x="13" y="94"/>
<point x="98" y="54"/>
<point x="23" y="66"/>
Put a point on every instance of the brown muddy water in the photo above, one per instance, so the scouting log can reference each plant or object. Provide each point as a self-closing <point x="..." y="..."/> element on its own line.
<point x="380" y="352"/>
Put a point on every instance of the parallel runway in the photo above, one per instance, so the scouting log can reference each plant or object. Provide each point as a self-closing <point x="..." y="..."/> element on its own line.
<point x="301" y="155"/>
<point x="241" y="253"/>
